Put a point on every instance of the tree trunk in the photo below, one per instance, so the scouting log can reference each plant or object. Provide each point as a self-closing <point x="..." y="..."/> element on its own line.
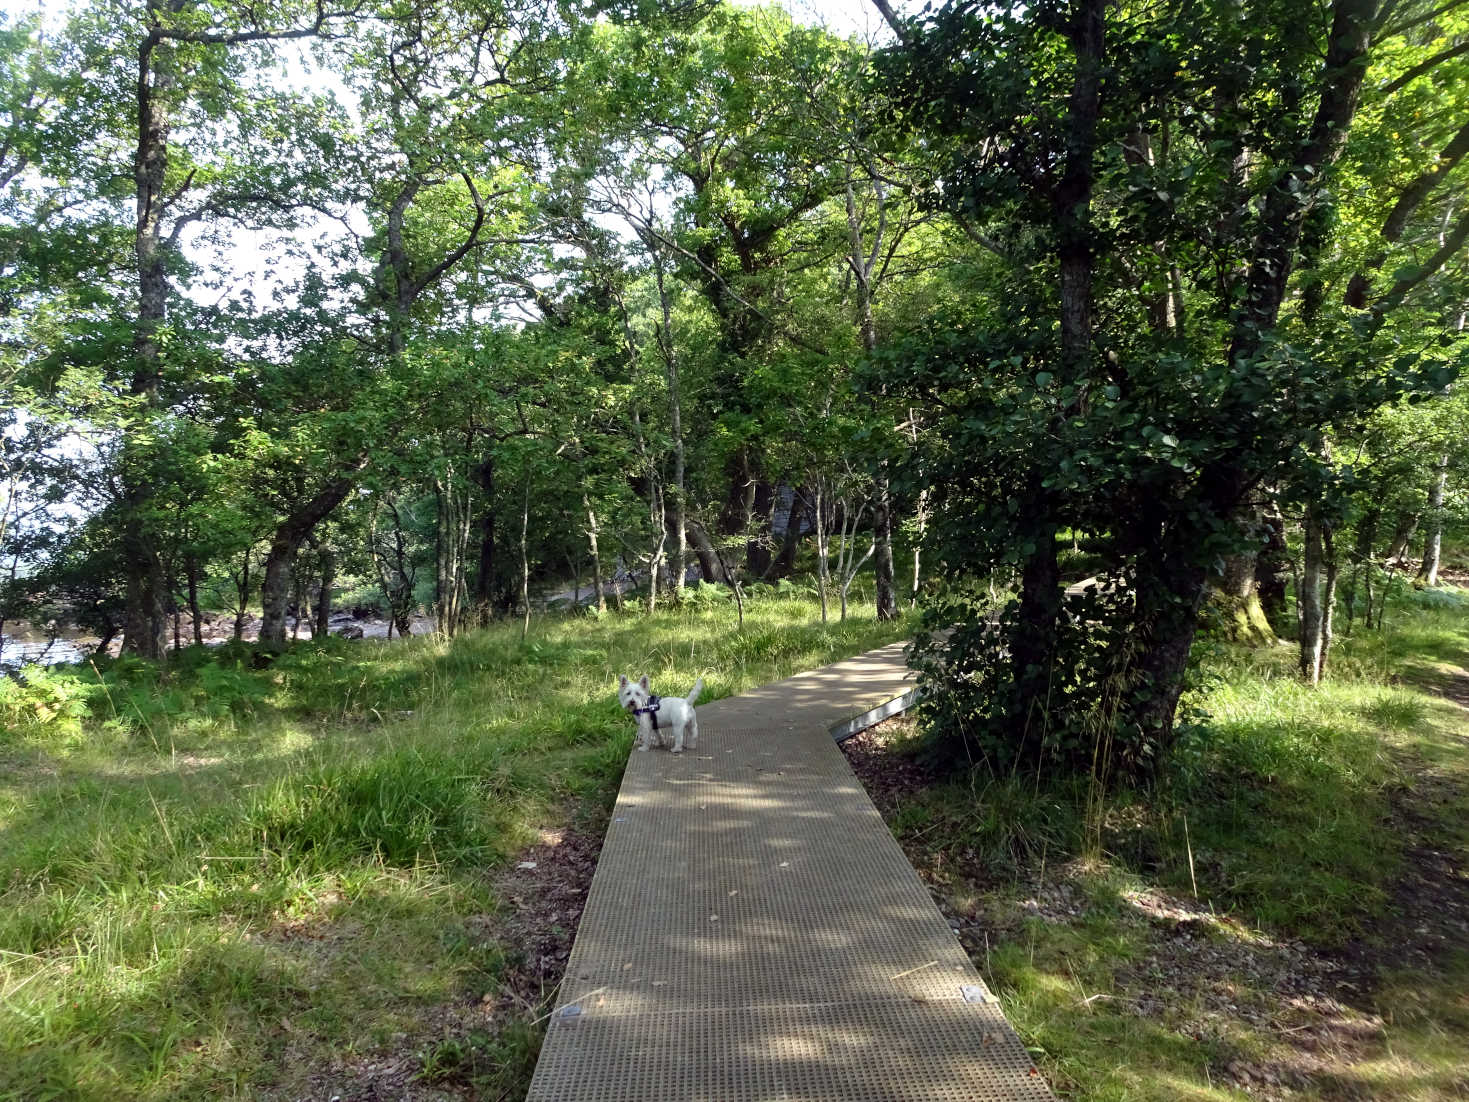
<point x="145" y="622"/>
<point x="664" y="334"/>
<point x="1361" y="563"/>
<point x="525" y="559"/>
<point x="1286" y="204"/>
<point x="922" y="525"/>
<point x="709" y="561"/>
<point x="861" y="262"/>
<point x="1402" y="535"/>
<point x="397" y="578"/>
<point x="451" y="500"/>
<point x="847" y="562"/>
<point x="1033" y="642"/>
<point x="596" y="557"/>
<point x="198" y="618"/>
<point x="1308" y="599"/>
<point x="758" y="557"/>
<point x="882" y="535"/>
<point x="324" y="595"/>
<point x="1169" y="598"/>
<point x="484" y="577"/>
<point x="275" y="593"/>
<point x="298" y="595"/>
<point x="289" y="536"/>
<point x="242" y="587"/>
<point x="1236" y="596"/>
<point x="1272" y="569"/>
<point x="795" y="520"/>
<point x="1433" y="545"/>
<point x="823" y="546"/>
<point x="1328" y="599"/>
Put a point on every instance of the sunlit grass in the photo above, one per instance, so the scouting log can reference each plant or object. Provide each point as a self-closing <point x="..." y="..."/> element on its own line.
<point x="218" y="880"/>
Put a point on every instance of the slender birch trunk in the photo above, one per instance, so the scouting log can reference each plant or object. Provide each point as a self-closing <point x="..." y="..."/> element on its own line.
<point x="525" y="559"/>
<point x="1308" y="598"/>
<point x="596" y="558"/>
<point x="1433" y="544"/>
<point x="666" y="347"/>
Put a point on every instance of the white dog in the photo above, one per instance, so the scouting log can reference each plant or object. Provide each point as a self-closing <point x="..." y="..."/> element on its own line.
<point x="656" y="714"/>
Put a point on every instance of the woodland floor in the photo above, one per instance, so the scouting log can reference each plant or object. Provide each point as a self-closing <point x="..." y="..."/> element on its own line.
<point x="1228" y="1008"/>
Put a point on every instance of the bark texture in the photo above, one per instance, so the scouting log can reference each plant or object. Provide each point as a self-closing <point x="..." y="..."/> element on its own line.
<point x="275" y="589"/>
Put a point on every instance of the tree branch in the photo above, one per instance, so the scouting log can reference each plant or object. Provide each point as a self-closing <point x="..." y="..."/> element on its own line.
<point x="1408" y="202"/>
<point x="1422" y="67"/>
<point x="1453" y="241"/>
<point x="258" y="34"/>
<point x="899" y="27"/>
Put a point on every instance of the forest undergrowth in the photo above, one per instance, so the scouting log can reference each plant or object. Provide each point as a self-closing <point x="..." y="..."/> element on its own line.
<point x="1287" y="916"/>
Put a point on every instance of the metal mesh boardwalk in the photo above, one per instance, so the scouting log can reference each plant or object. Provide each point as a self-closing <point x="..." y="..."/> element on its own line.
<point x="754" y="933"/>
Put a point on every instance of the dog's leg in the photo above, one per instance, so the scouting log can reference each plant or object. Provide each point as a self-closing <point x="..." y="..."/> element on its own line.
<point x="693" y="731"/>
<point x="645" y="734"/>
<point x="678" y="738"/>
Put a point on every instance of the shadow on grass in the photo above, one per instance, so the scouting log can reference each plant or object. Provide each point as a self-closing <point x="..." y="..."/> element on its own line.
<point x="356" y="992"/>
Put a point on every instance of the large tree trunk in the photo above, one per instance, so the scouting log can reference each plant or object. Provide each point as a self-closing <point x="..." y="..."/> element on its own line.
<point x="1169" y="598"/>
<point x="1272" y="569"/>
<point x="795" y="520"/>
<point x="1433" y="545"/>
<point x="758" y="556"/>
<point x="1235" y="591"/>
<point x="709" y="560"/>
<point x="289" y="535"/>
<point x="1032" y="647"/>
<point x="145" y="623"/>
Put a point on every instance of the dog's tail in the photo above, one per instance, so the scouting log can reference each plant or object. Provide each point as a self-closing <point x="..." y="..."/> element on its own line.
<point x="695" y="691"/>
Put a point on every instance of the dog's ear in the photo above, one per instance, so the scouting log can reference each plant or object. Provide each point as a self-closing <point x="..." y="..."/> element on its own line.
<point x="622" y="681"/>
<point x="643" y="681"/>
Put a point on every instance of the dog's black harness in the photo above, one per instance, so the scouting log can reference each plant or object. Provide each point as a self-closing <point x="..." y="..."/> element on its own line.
<point x="650" y="710"/>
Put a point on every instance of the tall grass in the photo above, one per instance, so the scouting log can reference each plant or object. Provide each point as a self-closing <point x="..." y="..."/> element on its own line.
<point x="217" y="880"/>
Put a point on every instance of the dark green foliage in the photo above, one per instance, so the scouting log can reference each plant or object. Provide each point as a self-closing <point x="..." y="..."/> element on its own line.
<point x="1173" y="389"/>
